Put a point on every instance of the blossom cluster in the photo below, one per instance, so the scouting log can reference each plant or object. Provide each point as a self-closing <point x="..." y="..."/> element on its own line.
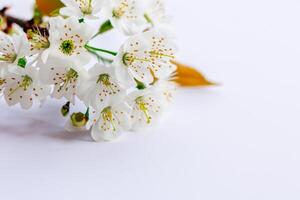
<point x="127" y="90"/>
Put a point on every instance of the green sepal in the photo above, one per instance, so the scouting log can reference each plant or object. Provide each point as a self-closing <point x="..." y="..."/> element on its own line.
<point x="65" y="109"/>
<point x="106" y="26"/>
<point x="140" y="85"/>
<point x="81" y="20"/>
<point x="22" y="62"/>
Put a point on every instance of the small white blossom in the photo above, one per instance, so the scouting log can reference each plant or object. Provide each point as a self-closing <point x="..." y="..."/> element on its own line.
<point x="109" y="123"/>
<point x="81" y="8"/>
<point x="102" y="88"/>
<point x="156" y="12"/>
<point x="147" y="107"/>
<point x="65" y="76"/>
<point x="126" y="15"/>
<point x="14" y="49"/>
<point x="24" y="87"/>
<point x="38" y="40"/>
<point x="146" y="57"/>
<point x="67" y="39"/>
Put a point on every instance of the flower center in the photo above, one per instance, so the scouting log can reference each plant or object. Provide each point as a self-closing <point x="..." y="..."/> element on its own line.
<point x="37" y="39"/>
<point x="120" y="11"/>
<point x="143" y="106"/>
<point x="67" y="47"/>
<point x="104" y="79"/>
<point x="85" y="6"/>
<point x="26" y="82"/>
<point x="70" y="77"/>
<point x="129" y="58"/>
<point x="107" y="117"/>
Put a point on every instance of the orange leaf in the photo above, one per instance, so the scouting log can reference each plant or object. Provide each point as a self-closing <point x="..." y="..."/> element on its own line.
<point x="189" y="77"/>
<point x="48" y="6"/>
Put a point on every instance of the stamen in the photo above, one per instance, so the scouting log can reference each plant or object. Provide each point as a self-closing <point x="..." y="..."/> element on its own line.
<point x="85" y="6"/>
<point x="107" y="116"/>
<point x="128" y="59"/>
<point x="2" y="82"/>
<point x="8" y="57"/>
<point x="37" y="39"/>
<point x="70" y="76"/>
<point x="142" y="105"/>
<point x="158" y="54"/>
<point x="26" y="82"/>
<point x="104" y="79"/>
<point x="120" y="11"/>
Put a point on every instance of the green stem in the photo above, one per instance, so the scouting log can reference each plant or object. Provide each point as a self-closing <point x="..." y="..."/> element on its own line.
<point x="101" y="50"/>
<point x="106" y="60"/>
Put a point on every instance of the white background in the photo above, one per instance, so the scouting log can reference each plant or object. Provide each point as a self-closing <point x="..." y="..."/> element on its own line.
<point x="238" y="141"/>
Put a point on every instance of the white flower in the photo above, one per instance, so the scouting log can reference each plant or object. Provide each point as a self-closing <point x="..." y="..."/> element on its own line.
<point x="81" y="8"/>
<point x="64" y="75"/>
<point x="102" y="88"/>
<point x="156" y="12"/>
<point x="147" y="107"/>
<point x="14" y="49"/>
<point x="67" y="39"/>
<point x="110" y="122"/>
<point x="24" y="87"/>
<point x="126" y="15"/>
<point x="38" y="40"/>
<point x="146" y="57"/>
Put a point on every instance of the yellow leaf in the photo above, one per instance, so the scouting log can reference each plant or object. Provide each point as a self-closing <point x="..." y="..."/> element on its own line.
<point x="48" y="6"/>
<point x="189" y="77"/>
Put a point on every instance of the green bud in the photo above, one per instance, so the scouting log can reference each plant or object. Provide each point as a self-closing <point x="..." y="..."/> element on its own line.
<point x="65" y="109"/>
<point x="79" y="120"/>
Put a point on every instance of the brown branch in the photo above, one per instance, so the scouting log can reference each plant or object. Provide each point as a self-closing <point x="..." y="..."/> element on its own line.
<point x="25" y="24"/>
<point x="10" y="20"/>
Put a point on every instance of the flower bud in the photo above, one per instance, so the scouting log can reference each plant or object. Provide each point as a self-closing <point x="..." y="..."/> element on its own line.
<point x="79" y="120"/>
<point x="65" y="109"/>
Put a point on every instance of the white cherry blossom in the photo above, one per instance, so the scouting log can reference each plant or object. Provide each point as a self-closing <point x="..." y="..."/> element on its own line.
<point x="14" y="49"/>
<point x="81" y="8"/>
<point x="126" y="15"/>
<point x="65" y="76"/>
<point x="67" y="39"/>
<point x="102" y="88"/>
<point x="24" y="88"/>
<point x="147" y="107"/>
<point x="155" y="12"/>
<point x="38" y="40"/>
<point x="109" y="123"/>
<point x="146" y="57"/>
